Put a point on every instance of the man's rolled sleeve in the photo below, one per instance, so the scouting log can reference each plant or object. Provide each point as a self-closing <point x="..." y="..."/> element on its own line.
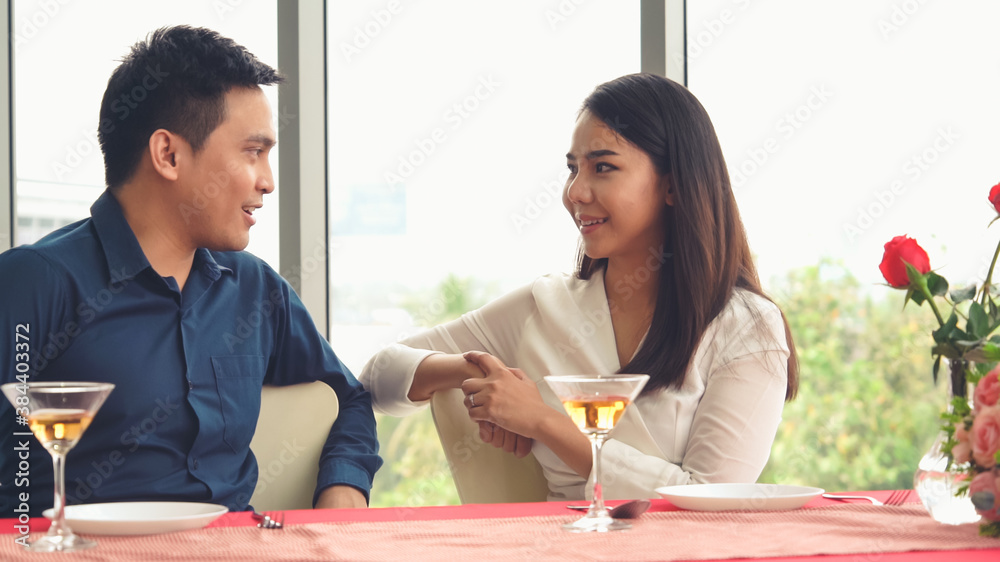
<point x="350" y="454"/>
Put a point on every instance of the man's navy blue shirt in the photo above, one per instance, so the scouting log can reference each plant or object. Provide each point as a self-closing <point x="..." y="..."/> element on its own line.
<point x="187" y="365"/>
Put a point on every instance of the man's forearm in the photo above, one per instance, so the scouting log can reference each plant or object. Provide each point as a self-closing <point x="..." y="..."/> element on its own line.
<point x="440" y="372"/>
<point x="337" y="497"/>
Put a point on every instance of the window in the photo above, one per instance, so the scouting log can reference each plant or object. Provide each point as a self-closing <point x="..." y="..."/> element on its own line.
<point x="843" y="125"/>
<point x="64" y="53"/>
<point x="851" y="123"/>
<point x="448" y="125"/>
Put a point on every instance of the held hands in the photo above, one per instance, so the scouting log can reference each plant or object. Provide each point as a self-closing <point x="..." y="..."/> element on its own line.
<point x="503" y="439"/>
<point x="505" y="403"/>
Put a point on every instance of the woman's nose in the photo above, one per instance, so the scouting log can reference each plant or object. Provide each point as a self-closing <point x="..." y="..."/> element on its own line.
<point x="578" y="190"/>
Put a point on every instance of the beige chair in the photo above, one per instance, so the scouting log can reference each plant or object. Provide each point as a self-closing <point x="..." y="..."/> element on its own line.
<point x="482" y="473"/>
<point x="292" y="428"/>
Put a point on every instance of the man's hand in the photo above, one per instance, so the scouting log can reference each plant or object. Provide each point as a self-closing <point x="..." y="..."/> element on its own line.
<point x="336" y="497"/>
<point x="503" y="439"/>
<point x="506" y="398"/>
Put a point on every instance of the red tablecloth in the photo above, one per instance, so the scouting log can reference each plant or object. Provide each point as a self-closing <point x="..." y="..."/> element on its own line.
<point x="402" y="531"/>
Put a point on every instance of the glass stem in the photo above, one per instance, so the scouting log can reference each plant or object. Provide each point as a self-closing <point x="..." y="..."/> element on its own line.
<point x="58" y="526"/>
<point x="597" y="504"/>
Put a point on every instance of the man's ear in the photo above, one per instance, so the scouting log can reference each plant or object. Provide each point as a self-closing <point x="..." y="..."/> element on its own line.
<point x="668" y="189"/>
<point x="164" y="149"/>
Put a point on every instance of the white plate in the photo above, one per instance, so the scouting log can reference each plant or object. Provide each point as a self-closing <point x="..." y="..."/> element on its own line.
<point x="139" y="518"/>
<point x="747" y="497"/>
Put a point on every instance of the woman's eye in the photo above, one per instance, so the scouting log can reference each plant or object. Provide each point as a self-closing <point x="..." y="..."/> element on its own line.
<point x="572" y="169"/>
<point x="603" y="167"/>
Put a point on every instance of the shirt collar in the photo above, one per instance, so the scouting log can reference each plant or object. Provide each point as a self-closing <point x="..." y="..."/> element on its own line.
<point x="204" y="260"/>
<point x="121" y="248"/>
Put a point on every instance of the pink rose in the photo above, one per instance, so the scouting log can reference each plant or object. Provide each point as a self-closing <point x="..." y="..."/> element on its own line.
<point x="985" y="492"/>
<point x="963" y="451"/>
<point x="986" y="436"/>
<point x="988" y="389"/>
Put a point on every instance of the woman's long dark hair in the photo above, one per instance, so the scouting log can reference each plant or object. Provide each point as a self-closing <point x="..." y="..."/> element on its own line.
<point x="706" y="254"/>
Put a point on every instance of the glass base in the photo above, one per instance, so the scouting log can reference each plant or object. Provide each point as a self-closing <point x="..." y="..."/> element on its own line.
<point x="596" y="523"/>
<point x="936" y="483"/>
<point x="60" y="543"/>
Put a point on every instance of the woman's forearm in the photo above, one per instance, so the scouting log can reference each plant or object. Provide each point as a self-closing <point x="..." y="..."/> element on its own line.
<point x="440" y="372"/>
<point x="559" y="433"/>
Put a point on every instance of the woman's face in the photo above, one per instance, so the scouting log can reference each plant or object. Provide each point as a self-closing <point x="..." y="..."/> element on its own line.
<point x="614" y="193"/>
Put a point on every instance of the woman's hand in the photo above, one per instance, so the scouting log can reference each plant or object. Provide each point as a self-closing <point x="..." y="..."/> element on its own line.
<point x="508" y="398"/>
<point x="505" y="397"/>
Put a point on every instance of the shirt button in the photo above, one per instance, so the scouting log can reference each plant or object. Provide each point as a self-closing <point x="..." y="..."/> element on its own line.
<point x="194" y="464"/>
<point x="190" y="385"/>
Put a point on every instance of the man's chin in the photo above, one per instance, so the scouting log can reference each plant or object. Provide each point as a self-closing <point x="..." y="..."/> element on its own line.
<point x="228" y="245"/>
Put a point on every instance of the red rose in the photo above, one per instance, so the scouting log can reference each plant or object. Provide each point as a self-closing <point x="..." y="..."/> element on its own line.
<point x="988" y="390"/>
<point x="898" y="250"/>
<point x="995" y="197"/>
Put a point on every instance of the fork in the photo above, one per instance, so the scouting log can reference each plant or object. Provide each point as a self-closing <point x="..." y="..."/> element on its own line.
<point x="897" y="497"/>
<point x="272" y="520"/>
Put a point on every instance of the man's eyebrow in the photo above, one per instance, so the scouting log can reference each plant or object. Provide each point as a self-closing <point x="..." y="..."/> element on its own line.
<point x="265" y="140"/>
<point x="593" y="154"/>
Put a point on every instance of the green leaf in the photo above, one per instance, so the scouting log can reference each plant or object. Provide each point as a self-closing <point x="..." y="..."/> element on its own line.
<point x="978" y="325"/>
<point x="991" y="529"/>
<point x="937" y="367"/>
<point x="913" y="295"/>
<point x="937" y="285"/>
<point x="916" y="278"/>
<point x="962" y="295"/>
<point x="944" y="333"/>
<point x="993" y="310"/>
<point x="947" y="349"/>
<point x="960" y="407"/>
<point x="992" y="351"/>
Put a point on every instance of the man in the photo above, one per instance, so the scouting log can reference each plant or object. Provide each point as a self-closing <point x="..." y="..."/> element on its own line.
<point x="154" y="294"/>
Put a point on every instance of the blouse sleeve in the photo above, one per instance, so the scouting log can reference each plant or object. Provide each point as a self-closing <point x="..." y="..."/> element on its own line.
<point x="495" y="328"/>
<point x="734" y="424"/>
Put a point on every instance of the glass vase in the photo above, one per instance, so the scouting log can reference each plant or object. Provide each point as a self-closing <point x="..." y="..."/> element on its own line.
<point x="937" y="479"/>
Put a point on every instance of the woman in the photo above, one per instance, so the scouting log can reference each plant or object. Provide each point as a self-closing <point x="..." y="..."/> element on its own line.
<point x="665" y="285"/>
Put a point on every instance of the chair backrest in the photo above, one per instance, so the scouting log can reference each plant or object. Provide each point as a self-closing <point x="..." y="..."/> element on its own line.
<point x="482" y="472"/>
<point x="292" y="428"/>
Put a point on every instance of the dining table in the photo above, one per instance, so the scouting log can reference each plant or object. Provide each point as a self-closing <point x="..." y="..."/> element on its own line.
<point x="822" y="529"/>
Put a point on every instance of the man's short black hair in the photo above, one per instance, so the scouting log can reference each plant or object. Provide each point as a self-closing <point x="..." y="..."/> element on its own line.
<point x="176" y="80"/>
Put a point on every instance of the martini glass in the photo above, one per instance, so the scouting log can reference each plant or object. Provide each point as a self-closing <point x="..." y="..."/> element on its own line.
<point x="596" y="403"/>
<point x="58" y="413"/>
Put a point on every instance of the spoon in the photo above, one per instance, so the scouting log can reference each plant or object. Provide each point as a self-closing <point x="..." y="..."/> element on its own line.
<point x="628" y="510"/>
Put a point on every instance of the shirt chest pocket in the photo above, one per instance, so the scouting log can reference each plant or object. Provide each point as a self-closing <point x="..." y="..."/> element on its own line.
<point x="238" y="379"/>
